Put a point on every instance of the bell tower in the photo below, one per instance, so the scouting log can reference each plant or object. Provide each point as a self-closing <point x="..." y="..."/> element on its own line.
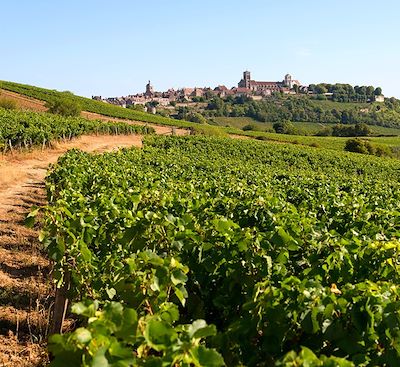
<point x="149" y="89"/>
<point x="288" y="81"/>
<point x="246" y="79"/>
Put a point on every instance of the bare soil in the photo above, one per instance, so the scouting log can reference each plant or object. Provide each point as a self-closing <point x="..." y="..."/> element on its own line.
<point x="26" y="289"/>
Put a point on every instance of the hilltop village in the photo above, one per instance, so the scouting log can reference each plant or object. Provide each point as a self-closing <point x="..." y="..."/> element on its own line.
<point x="246" y="87"/>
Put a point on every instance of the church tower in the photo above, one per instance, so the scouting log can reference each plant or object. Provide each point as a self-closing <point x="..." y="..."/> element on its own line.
<point x="288" y="81"/>
<point x="149" y="89"/>
<point x="246" y="78"/>
<point x="245" y="82"/>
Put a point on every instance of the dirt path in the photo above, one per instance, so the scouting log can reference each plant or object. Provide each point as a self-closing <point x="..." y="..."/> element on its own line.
<point x="26" y="292"/>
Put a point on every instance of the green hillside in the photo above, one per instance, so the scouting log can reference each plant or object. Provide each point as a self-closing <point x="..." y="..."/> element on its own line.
<point x="226" y="125"/>
<point x="91" y="105"/>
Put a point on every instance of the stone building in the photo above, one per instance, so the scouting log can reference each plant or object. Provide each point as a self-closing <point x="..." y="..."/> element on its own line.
<point x="266" y="88"/>
<point x="149" y="90"/>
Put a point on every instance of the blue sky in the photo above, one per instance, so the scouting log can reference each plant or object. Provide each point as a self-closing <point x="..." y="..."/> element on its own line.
<point x="112" y="48"/>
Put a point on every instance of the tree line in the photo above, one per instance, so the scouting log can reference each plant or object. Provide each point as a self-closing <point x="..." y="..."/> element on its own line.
<point x="346" y="92"/>
<point x="304" y="109"/>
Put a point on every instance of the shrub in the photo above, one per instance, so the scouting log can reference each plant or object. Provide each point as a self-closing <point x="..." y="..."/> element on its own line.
<point x="327" y="131"/>
<point x="359" y="146"/>
<point x="8" y="104"/>
<point x="284" y="127"/>
<point x="64" y="106"/>
<point x="356" y="130"/>
<point x="197" y="118"/>
<point x="136" y="107"/>
<point x="249" y="127"/>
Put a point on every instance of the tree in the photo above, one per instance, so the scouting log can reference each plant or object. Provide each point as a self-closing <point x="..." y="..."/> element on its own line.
<point x="320" y="89"/>
<point x="370" y="90"/>
<point x="284" y="127"/>
<point x="378" y="91"/>
<point x="196" y="117"/>
<point x="359" y="146"/>
<point x="136" y="107"/>
<point x="64" y="106"/>
<point x="361" y="130"/>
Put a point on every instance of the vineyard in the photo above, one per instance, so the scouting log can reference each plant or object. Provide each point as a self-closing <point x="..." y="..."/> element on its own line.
<point x="27" y="129"/>
<point x="208" y="252"/>
<point x="91" y="105"/>
<point x="388" y="143"/>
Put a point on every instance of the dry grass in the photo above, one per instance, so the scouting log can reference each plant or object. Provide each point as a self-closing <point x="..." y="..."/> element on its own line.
<point x="24" y="102"/>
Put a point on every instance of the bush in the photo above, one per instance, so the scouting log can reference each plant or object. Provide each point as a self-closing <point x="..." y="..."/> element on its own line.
<point x="356" y="130"/>
<point x="250" y="127"/>
<point x="64" y="106"/>
<point x="8" y="104"/>
<point x="327" y="131"/>
<point x="136" y="107"/>
<point x="196" y="117"/>
<point x="284" y="127"/>
<point x="359" y="146"/>
<point x="163" y="113"/>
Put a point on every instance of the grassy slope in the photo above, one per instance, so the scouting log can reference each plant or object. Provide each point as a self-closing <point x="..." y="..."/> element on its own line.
<point x="308" y="127"/>
<point x="330" y="105"/>
<point x="92" y="105"/>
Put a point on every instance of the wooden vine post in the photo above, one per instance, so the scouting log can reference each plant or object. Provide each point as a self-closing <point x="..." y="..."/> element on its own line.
<point x="60" y="305"/>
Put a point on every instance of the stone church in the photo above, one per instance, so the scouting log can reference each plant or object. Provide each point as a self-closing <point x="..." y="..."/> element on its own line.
<point x="266" y="88"/>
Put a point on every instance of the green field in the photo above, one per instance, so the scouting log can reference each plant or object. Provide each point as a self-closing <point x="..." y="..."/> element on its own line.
<point x="211" y="252"/>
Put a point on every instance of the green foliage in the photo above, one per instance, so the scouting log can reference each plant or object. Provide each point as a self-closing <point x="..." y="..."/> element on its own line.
<point x="356" y="130"/>
<point x="359" y="146"/>
<point x="307" y="358"/>
<point x="136" y="107"/>
<point x="64" y="106"/>
<point x="250" y="127"/>
<point x="303" y="108"/>
<point x="26" y="129"/>
<point x="284" y="127"/>
<point x="196" y="117"/>
<point x="91" y="105"/>
<point x="291" y="252"/>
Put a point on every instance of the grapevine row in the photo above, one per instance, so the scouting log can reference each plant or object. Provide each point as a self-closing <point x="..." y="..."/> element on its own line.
<point x="26" y="129"/>
<point x="195" y="248"/>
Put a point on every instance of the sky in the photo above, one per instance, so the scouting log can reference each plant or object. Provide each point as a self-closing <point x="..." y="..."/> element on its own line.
<point x="112" y="48"/>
